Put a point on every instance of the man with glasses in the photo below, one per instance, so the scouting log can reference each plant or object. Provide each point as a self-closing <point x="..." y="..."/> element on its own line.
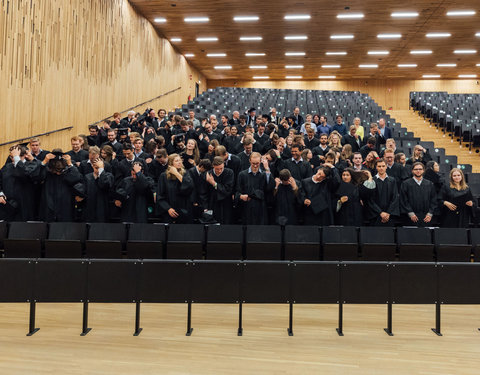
<point x="418" y="199"/>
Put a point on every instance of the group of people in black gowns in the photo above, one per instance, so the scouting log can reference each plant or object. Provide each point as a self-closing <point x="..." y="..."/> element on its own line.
<point x="267" y="171"/>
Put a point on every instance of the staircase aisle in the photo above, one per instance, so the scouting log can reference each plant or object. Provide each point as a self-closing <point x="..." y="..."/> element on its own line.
<point x="422" y="128"/>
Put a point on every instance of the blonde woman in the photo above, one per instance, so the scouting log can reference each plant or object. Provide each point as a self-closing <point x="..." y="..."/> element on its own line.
<point x="335" y="140"/>
<point x="360" y="131"/>
<point x="172" y="202"/>
<point x="191" y="155"/>
<point x="457" y="201"/>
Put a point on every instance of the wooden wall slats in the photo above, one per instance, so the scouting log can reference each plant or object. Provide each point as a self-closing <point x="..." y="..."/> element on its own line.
<point x="73" y="63"/>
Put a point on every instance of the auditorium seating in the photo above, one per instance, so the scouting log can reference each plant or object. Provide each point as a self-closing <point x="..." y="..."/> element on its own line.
<point x="25" y="240"/>
<point x="66" y="240"/>
<point x="237" y="242"/>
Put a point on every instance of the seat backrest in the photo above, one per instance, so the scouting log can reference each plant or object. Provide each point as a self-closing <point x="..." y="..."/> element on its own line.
<point x="475" y="236"/>
<point x="28" y="230"/>
<point x="377" y="235"/>
<point x="225" y="233"/>
<point x="108" y="232"/>
<point x="302" y="234"/>
<point x="146" y="232"/>
<point x="3" y="231"/>
<point x="339" y="235"/>
<point x="264" y="233"/>
<point x="186" y="232"/>
<point x="67" y="231"/>
<point x="448" y="236"/>
<point x="414" y="235"/>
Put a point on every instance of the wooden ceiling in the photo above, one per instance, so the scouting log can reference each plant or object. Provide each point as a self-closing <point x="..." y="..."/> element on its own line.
<point x="272" y="27"/>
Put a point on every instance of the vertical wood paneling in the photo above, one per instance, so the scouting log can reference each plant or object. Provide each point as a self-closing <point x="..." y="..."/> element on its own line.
<point x="74" y="62"/>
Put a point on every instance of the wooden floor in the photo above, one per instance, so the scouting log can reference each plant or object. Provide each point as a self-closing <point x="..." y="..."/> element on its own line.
<point x="214" y="348"/>
<point x="422" y="128"/>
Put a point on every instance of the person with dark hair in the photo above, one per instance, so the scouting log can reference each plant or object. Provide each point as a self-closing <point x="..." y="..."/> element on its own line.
<point x="353" y="139"/>
<point x="86" y="166"/>
<point x="339" y="126"/>
<point x="316" y="195"/>
<point x="456" y="200"/>
<point x="191" y="155"/>
<point x="220" y="188"/>
<point x="244" y="156"/>
<point x="395" y="170"/>
<point x="323" y="127"/>
<point x="252" y="187"/>
<point x="231" y="161"/>
<point x="383" y="207"/>
<point x="418" y="200"/>
<point x="261" y="138"/>
<point x="286" y="198"/>
<point x="310" y="140"/>
<point x="112" y="141"/>
<point x="194" y="185"/>
<point x="299" y="168"/>
<point x="62" y="186"/>
<point x="134" y="193"/>
<point x="98" y="185"/>
<point x="124" y="167"/>
<point x="368" y="147"/>
<point x="354" y="189"/>
<point x="158" y="165"/>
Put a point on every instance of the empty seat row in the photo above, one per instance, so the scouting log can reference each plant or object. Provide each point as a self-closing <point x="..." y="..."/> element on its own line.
<point x="236" y="242"/>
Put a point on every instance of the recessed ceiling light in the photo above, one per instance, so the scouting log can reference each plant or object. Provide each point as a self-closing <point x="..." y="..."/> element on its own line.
<point x="196" y="19"/>
<point x="293" y="66"/>
<point x="249" y="54"/>
<point x="420" y="52"/>
<point x="407" y="65"/>
<point x="467" y="76"/>
<point x="342" y="36"/>
<point x="216" y="54"/>
<point x="175" y="39"/>
<point x="342" y="53"/>
<point x="293" y="77"/>
<point x="160" y="20"/>
<point x="404" y="14"/>
<point x="330" y="66"/>
<point x="223" y="67"/>
<point x="389" y="36"/>
<point x="296" y="37"/>
<point x="464" y="51"/>
<point x="327" y="77"/>
<point x="446" y="65"/>
<point x="250" y="38"/>
<point x="368" y="66"/>
<point x="260" y="77"/>
<point x="294" y="53"/>
<point x="258" y="67"/>
<point x="477" y="34"/>
<point x="438" y="35"/>
<point x="431" y="76"/>
<point x="293" y="17"/>
<point x="378" y="52"/>
<point x="478" y="65"/>
<point x="189" y="55"/>
<point x="246" y="18"/>
<point x="207" y="39"/>
<point x="461" y="13"/>
<point x="350" y="15"/>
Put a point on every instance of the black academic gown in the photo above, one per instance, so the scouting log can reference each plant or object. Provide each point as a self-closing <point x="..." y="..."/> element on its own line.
<point x="320" y="211"/>
<point x="299" y="171"/>
<point x="459" y="218"/>
<point x="287" y="204"/>
<point x="244" y="160"/>
<point x="155" y="170"/>
<point x="78" y="157"/>
<point x="58" y="195"/>
<point x="385" y="198"/>
<point x="349" y="213"/>
<point x="256" y="186"/>
<point x="170" y="195"/>
<point x="194" y="186"/>
<point x="419" y="199"/>
<point x="135" y="195"/>
<point x="97" y="191"/>
<point x="220" y="198"/>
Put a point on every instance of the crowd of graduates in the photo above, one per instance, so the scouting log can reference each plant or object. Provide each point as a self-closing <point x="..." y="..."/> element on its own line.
<point x="246" y="169"/>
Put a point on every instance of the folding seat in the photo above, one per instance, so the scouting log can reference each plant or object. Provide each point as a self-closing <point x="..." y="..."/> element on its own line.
<point x="302" y="242"/>
<point x="106" y="240"/>
<point x="378" y="243"/>
<point x="340" y="243"/>
<point x="146" y="241"/>
<point x="475" y="240"/>
<point x="415" y="244"/>
<point x="3" y="232"/>
<point x="66" y="240"/>
<point x="452" y="245"/>
<point x="263" y="242"/>
<point x="25" y="240"/>
<point x="225" y="242"/>
<point x="185" y="241"/>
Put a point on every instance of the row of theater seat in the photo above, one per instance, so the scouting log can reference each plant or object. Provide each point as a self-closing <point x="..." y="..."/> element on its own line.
<point x="236" y="242"/>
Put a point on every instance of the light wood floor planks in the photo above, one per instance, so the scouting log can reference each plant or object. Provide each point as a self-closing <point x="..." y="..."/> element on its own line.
<point x="214" y="348"/>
